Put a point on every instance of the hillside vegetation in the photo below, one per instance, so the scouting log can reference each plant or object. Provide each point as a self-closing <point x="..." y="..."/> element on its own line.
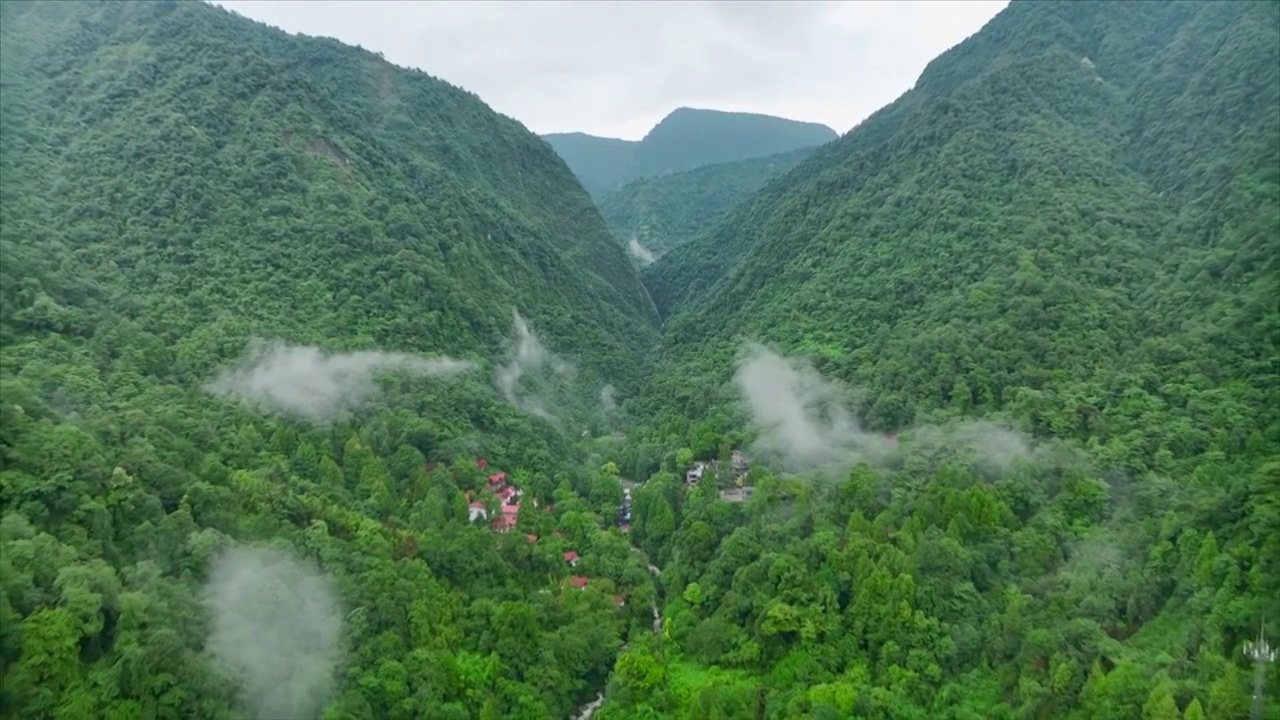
<point x="661" y="213"/>
<point x="321" y="383"/>
<point x="688" y="138"/>
<point x="1060" y="247"/>
<point x="178" y="183"/>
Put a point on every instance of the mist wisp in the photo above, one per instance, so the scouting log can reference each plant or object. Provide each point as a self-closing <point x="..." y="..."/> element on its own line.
<point x="802" y="420"/>
<point x="804" y="423"/>
<point x="529" y="356"/>
<point x="308" y="383"/>
<point x="641" y="253"/>
<point x="608" y="401"/>
<point x="276" y="629"/>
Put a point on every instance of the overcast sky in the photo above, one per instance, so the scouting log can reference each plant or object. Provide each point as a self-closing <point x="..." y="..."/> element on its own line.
<point x="616" y="68"/>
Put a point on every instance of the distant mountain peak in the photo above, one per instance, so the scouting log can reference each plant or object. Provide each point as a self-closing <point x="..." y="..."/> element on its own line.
<point x="686" y="139"/>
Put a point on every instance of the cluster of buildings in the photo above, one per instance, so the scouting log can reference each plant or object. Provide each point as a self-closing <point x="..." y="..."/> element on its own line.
<point x="509" y="512"/>
<point x="739" y="465"/>
<point x="509" y="495"/>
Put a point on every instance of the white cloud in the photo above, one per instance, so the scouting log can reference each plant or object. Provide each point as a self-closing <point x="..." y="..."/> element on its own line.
<point x="616" y="68"/>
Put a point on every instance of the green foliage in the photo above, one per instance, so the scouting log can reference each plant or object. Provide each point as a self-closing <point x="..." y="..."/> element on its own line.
<point x="177" y="180"/>
<point x="1071" y="225"/>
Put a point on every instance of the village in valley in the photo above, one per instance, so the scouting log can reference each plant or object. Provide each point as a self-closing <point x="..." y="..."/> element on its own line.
<point x="507" y="517"/>
<point x="510" y="503"/>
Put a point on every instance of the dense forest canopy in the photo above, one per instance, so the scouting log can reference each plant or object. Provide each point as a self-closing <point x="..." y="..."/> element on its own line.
<point x="686" y="139"/>
<point x="260" y="288"/>
<point x="1068" y="230"/>
<point x="327" y="392"/>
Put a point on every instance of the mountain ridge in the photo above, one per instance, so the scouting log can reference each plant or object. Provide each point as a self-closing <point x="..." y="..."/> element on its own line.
<point x="685" y="139"/>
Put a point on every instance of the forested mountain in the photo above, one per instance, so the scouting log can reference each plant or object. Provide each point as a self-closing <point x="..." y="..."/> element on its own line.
<point x="1061" y="248"/>
<point x="181" y="185"/>
<point x="310" y="374"/>
<point x="662" y="212"/>
<point x="688" y="138"/>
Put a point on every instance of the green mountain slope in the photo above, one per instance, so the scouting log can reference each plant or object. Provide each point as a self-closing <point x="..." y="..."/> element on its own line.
<point x="663" y="212"/>
<point x="1071" y="225"/>
<point x="350" y="201"/>
<point x="177" y="181"/>
<point x="687" y="138"/>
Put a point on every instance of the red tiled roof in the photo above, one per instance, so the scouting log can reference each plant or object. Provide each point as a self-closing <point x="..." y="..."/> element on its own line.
<point x="531" y="538"/>
<point x="504" y="522"/>
<point x="570" y="556"/>
<point x="619" y="600"/>
<point x="578" y="581"/>
<point x="511" y="510"/>
<point x="497" y="478"/>
<point x="476" y="506"/>
<point x="482" y="463"/>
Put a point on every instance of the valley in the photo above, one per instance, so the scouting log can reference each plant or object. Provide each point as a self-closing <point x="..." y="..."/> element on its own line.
<point x="327" y="391"/>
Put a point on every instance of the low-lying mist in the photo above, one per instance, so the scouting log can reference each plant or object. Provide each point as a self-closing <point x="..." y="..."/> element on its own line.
<point x="276" y="629"/>
<point x="641" y="253"/>
<point x="317" y="386"/>
<point x="530" y="356"/>
<point x="804" y="423"/>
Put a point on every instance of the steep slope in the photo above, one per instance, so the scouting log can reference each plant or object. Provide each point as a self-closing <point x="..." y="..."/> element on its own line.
<point x="176" y="181"/>
<point x="920" y="218"/>
<point x="1070" y="226"/>
<point x="687" y="138"/>
<point x="664" y="212"/>
<point x="332" y="184"/>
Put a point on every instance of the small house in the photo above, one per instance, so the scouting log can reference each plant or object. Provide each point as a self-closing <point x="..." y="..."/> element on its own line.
<point x="507" y="520"/>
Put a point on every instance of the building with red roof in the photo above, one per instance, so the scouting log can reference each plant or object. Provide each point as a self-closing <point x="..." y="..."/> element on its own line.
<point x="507" y="520"/>
<point x="578" y="581"/>
<point x="571" y="557"/>
<point x="476" y="511"/>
